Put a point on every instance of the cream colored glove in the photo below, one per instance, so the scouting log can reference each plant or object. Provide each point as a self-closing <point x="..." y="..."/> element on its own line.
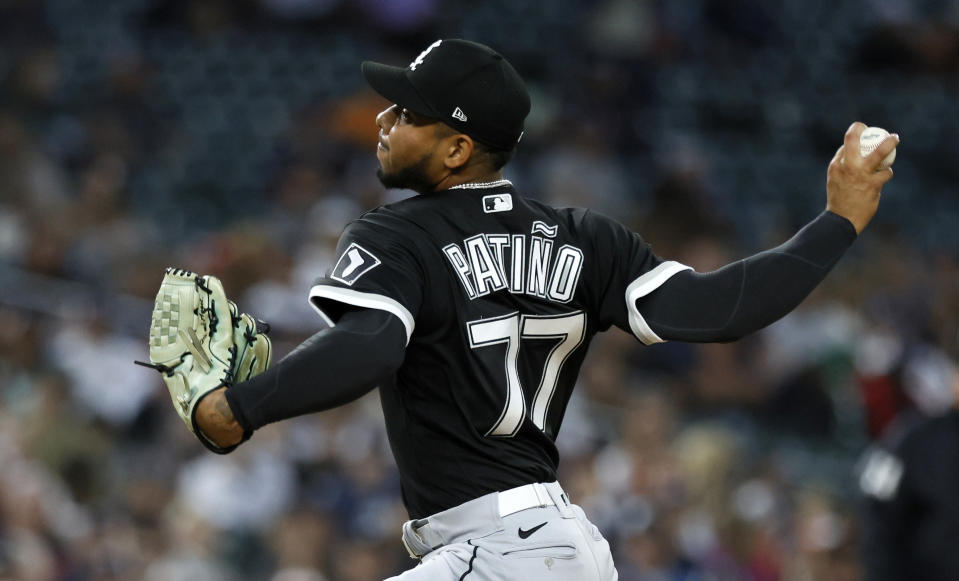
<point x="199" y="341"/>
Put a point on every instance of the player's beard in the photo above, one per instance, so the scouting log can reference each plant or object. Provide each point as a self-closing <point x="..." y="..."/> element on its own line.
<point x="413" y="177"/>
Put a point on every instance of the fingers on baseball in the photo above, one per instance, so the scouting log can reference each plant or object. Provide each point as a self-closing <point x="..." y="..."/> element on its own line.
<point x="883" y="175"/>
<point x="875" y="158"/>
<point x="851" y="139"/>
<point x="850" y="145"/>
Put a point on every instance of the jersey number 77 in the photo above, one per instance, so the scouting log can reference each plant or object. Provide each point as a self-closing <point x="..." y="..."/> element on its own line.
<point x="569" y="330"/>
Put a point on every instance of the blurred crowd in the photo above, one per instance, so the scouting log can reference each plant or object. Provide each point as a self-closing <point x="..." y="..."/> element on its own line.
<point x="236" y="138"/>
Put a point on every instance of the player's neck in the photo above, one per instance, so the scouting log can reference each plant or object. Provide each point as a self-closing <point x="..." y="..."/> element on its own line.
<point x="465" y="177"/>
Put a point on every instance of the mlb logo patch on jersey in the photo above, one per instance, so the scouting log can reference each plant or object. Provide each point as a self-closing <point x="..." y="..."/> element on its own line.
<point x="353" y="264"/>
<point x="497" y="203"/>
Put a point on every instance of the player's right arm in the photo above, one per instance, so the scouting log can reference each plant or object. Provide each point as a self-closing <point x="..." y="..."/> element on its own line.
<point x="853" y="182"/>
<point x="746" y="296"/>
<point x="666" y="301"/>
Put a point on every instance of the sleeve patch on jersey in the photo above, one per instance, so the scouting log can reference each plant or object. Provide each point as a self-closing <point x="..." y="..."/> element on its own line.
<point x="353" y="264"/>
<point x="497" y="203"/>
<point x="641" y="287"/>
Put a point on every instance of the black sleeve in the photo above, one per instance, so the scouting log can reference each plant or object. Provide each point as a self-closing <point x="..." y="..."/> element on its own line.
<point x="621" y="267"/>
<point x="745" y="296"/>
<point x="331" y="368"/>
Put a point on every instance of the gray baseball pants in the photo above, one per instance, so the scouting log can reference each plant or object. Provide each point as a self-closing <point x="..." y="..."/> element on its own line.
<point x="528" y="533"/>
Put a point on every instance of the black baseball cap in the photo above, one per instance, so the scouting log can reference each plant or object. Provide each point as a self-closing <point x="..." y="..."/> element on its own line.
<point x="464" y="84"/>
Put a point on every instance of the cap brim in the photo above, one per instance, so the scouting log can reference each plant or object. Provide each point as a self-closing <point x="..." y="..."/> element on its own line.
<point x="393" y="84"/>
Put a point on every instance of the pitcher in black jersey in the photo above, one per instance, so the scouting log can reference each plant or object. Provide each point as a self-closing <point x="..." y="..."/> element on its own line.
<point x="471" y="307"/>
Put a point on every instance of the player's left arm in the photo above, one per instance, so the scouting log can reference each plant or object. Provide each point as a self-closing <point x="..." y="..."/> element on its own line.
<point x="331" y="368"/>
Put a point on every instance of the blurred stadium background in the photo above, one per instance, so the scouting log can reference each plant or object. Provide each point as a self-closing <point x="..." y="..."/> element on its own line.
<point x="236" y="138"/>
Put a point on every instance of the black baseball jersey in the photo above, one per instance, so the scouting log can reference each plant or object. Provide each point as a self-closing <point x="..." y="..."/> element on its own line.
<point x="500" y="296"/>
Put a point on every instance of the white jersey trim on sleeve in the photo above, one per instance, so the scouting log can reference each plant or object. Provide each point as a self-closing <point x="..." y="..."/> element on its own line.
<point x="641" y="287"/>
<point x="361" y="299"/>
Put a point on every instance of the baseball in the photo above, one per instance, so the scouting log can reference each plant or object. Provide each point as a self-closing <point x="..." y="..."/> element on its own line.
<point x="870" y="140"/>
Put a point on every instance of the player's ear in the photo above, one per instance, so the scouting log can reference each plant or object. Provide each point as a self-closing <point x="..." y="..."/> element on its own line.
<point x="459" y="150"/>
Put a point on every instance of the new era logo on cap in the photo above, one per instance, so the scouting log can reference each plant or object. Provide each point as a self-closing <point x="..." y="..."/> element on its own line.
<point x="458" y="114"/>
<point x="353" y="264"/>
<point x="497" y="203"/>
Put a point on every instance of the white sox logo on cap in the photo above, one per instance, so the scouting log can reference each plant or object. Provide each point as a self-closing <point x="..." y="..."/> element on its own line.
<point x="419" y="60"/>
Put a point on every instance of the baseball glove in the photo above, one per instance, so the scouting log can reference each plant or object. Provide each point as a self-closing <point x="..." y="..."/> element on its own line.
<point x="199" y="341"/>
<point x="254" y="350"/>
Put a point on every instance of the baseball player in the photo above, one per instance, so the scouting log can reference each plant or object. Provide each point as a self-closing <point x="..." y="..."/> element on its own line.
<point x="472" y="307"/>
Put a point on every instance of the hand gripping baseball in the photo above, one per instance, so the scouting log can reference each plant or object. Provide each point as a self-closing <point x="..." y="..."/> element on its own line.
<point x="200" y="342"/>
<point x="853" y="182"/>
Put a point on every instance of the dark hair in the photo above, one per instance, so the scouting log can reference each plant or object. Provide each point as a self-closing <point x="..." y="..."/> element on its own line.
<point x="498" y="157"/>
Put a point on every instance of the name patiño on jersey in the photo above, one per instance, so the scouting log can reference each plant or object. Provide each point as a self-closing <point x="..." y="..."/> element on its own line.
<point x="519" y="263"/>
